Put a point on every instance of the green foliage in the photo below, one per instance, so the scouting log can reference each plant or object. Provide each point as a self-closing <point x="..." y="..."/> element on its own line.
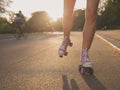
<point x="79" y="19"/>
<point x="5" y="27"/>
<point x="110" y="16"/>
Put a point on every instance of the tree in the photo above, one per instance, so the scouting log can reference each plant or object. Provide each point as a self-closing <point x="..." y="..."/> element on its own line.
<point x="5" y="26"/>
<point x="57" y="25"/>
<point x="3" y="5"/>
<point x="110" y="15"/>
<point x="40" y="21"/>
<point x="79" y="19"/>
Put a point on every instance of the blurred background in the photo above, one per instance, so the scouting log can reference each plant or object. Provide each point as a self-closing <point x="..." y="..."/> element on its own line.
<point x="46" y="16"/>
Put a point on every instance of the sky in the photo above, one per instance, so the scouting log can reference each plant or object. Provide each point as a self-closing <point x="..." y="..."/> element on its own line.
<point x="53" y="7"/>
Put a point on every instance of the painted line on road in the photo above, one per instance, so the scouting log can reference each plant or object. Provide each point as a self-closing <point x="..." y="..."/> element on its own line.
<point x="109" y="43"/>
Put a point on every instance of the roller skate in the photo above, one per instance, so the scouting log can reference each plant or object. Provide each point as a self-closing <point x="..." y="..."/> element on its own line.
<point x="63" y="48"/>
<point x="86" y="67"/>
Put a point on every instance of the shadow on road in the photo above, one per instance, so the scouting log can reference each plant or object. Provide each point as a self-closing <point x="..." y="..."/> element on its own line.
<point x="66" y="85"/>
<point x="74" y="85"/>
<point x="93" y="83"/>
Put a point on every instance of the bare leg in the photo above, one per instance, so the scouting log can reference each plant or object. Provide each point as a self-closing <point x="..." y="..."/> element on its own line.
<point x="89" y="30"/>
<point x="90" y="23"/>
<point x="88" y="34"/>
<point x="68" y="16"/>
<point x="68" y="21"/>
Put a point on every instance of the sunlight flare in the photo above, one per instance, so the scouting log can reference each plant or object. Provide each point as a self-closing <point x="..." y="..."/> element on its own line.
<point x="54" y="8"/>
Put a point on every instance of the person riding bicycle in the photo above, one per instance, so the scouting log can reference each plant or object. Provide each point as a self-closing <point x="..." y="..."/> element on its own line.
<point x="22" y="17"/>
<point x="19" y="23"/>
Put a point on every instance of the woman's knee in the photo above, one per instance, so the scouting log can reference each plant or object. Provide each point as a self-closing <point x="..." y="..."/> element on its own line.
<point x="91" y="10"/>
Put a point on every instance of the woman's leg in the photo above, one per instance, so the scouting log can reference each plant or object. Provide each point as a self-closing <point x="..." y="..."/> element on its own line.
<point x="89" y="28"/>
<point x="90" y="23"/>
<point x="68" y="16"/>
<point x="67" y="25"/>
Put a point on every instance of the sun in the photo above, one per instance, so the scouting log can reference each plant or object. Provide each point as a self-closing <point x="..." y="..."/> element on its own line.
<point x="54" y="8"/>
<point x="54" y="14"/>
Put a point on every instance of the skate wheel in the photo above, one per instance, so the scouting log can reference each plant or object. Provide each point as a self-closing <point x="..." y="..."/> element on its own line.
<point x="60" y="53"/>
<point x="60" y="56"/>
<point x="66" y="53"/>
<point x="89" y="71"/>
<point x="71" y="44"/>
<point x="86" y="70"/>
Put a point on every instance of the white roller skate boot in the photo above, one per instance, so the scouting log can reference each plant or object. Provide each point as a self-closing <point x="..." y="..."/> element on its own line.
<point x="86" y="67"/>
<point x="63" y="48"/>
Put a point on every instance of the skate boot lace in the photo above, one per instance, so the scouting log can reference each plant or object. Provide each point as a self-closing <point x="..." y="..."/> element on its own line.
<point x="85" y="59"/>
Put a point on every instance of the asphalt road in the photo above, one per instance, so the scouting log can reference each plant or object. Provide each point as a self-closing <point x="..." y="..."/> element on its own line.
<point x="112" y="36"/>
<point x="34" y="64"/>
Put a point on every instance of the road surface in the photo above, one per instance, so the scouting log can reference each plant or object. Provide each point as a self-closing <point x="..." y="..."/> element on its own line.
<point x="34" y="64"/>
<point x="112" y="36"/>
